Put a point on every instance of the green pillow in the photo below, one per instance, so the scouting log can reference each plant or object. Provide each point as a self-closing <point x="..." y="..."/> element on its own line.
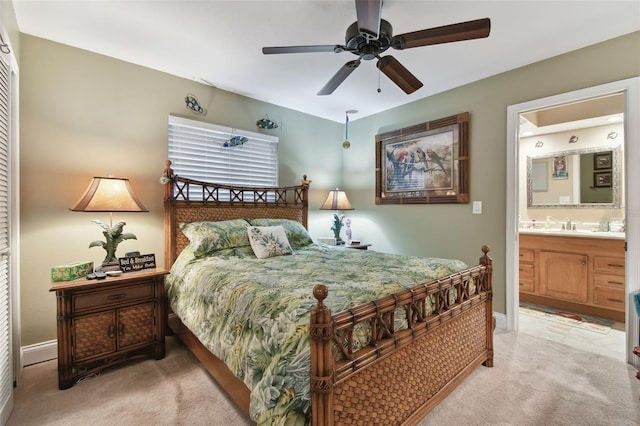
<point x="296" y="233"/>
<point x="207" y="238"/>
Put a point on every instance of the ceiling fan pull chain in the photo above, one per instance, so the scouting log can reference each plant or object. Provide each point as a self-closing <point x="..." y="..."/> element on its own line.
<point x="379" y="89"/>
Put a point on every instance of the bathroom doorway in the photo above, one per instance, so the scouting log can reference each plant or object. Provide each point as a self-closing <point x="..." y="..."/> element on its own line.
<point x="564" y="205"/>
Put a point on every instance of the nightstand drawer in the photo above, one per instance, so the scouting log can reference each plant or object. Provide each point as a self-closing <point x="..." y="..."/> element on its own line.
<point x="114" y="295"/>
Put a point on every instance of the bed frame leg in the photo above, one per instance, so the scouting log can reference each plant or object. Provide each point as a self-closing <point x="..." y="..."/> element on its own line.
<point x="321" y="360"/>
<point x="486" y="260"/>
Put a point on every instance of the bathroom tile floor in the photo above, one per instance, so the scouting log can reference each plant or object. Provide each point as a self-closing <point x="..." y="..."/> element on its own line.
<point x="611" y="344"/>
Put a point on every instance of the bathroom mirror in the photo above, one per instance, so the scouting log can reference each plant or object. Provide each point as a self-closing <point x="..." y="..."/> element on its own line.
<point x="582" y="178"/>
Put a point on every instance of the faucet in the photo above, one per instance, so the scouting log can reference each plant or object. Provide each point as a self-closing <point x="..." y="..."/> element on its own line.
<point x="568" y="225"/>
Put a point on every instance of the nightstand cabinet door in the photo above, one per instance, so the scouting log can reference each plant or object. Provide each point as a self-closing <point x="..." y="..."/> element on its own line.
<point x="135" y="326"/>
<point x="93" y="335"/>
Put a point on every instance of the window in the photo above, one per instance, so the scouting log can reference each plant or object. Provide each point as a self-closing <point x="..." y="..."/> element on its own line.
<point x="213" y="153"/>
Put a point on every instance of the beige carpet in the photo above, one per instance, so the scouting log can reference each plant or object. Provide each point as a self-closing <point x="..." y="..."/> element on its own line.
<point x="534" y="382"/>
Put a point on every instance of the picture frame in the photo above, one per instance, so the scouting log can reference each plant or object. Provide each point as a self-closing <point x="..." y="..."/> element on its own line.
<point x="427" y="163"/>
<point x="602" y="179"/>
<point x="602" y="160"/>
<point x="560" y="170"/>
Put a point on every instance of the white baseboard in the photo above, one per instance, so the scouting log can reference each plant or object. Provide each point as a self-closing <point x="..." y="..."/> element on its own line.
<point x="501" y="320"/>
<point x="39" y="352"/>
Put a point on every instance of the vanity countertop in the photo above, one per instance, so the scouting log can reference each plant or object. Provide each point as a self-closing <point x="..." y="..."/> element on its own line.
<point x="576" y="234"/>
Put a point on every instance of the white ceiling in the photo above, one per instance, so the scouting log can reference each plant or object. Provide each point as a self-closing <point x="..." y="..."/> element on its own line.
<point x="219" y="42"/>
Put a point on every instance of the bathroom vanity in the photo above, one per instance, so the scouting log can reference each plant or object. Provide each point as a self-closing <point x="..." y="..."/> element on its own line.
<point x="578" y="271"/>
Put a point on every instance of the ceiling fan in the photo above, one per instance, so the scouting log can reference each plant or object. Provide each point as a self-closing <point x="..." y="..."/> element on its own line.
<point x="370" y="36"/>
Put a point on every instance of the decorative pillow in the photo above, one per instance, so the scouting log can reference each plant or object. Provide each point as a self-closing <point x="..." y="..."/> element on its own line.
<point x="269" y="241"/>
<point x="296" y="233"/>
<point x="208" y="237"/>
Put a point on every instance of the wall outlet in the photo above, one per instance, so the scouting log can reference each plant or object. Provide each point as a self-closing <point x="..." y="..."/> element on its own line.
<point x="477" y="207"/>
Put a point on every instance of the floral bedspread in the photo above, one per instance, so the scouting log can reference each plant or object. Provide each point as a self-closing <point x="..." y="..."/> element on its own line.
<point x="254" y="313"/>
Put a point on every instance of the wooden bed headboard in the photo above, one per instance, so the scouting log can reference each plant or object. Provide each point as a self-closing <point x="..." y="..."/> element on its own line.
<point x="223" y="202"/>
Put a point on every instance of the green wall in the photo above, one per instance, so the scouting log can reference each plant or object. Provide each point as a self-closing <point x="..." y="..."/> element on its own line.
<point x="85" y="115"/>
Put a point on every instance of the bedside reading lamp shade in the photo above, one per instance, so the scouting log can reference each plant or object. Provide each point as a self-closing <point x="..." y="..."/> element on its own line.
<point x="109" y="194"/>
<point x="337" y="200"/>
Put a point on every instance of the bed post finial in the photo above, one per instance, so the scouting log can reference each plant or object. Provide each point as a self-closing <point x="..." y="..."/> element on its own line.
<point x="486" y="259"/>
<point x="304" y="181"/>
<point x="320" y="292"/>
<point x="321" y="331"/>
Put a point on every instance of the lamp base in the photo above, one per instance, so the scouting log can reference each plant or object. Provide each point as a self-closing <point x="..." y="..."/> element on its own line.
<point x="339" y="241"/>
<point x="109" y="266"/>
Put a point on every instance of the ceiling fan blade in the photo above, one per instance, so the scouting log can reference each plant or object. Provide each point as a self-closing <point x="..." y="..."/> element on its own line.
<point x="479" y="28"/>
<point x="369" y="12"/>
<point x="302" y="49"/>
<point x="401" y="76"/>
<point x="339" y="77"/>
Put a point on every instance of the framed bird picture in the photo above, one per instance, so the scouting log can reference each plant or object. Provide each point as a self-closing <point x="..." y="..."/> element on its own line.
<point x="424" y="164"/>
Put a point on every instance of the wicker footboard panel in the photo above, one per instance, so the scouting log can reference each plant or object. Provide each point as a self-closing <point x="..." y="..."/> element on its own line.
<point x="411" y="381"/>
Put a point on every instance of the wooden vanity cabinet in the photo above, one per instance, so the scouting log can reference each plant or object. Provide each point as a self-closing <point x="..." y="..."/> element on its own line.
<point x="575" y="273"/>
<point x="563" y="275"/>
<point x="527" y="271"/>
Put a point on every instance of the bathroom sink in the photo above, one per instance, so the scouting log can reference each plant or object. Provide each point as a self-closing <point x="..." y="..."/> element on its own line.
<point x="585" y="233"/>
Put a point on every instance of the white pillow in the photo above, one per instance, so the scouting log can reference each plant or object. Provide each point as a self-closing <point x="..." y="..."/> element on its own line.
<point x="268" y="241"/>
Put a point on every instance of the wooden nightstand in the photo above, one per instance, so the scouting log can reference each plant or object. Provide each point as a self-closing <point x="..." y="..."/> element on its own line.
<point x="104" y="322"/>
<point x="357" y="246"/>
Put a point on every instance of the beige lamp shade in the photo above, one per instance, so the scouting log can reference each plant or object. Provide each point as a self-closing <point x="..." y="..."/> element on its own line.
<point x="109" y="194"/>
<point x="337" y="200"/>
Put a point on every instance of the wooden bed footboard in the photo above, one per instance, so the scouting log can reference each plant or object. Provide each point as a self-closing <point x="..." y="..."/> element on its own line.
<point x="403" y="373"/>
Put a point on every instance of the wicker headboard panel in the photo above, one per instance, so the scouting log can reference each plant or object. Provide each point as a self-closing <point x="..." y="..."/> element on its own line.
<point x="188" y="200"/>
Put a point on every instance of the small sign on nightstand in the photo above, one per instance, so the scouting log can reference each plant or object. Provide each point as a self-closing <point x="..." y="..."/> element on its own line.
<point x="137" y="263"/>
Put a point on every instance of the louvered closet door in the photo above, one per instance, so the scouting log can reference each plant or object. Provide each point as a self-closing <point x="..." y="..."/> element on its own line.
<point x="6" y="362"/>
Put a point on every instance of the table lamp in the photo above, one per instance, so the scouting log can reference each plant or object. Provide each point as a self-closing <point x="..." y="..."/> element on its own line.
<point x="110" y="194"/>
<point x="337" y="200"/>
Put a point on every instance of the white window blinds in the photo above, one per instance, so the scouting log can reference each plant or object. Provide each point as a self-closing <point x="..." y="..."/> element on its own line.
<point x="213" y="153"/>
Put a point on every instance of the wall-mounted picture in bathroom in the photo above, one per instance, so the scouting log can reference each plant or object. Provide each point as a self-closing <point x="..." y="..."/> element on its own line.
<point x="602" y="179"/>
<point x="602" y="161"/>
<point x="560" y="167"/>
